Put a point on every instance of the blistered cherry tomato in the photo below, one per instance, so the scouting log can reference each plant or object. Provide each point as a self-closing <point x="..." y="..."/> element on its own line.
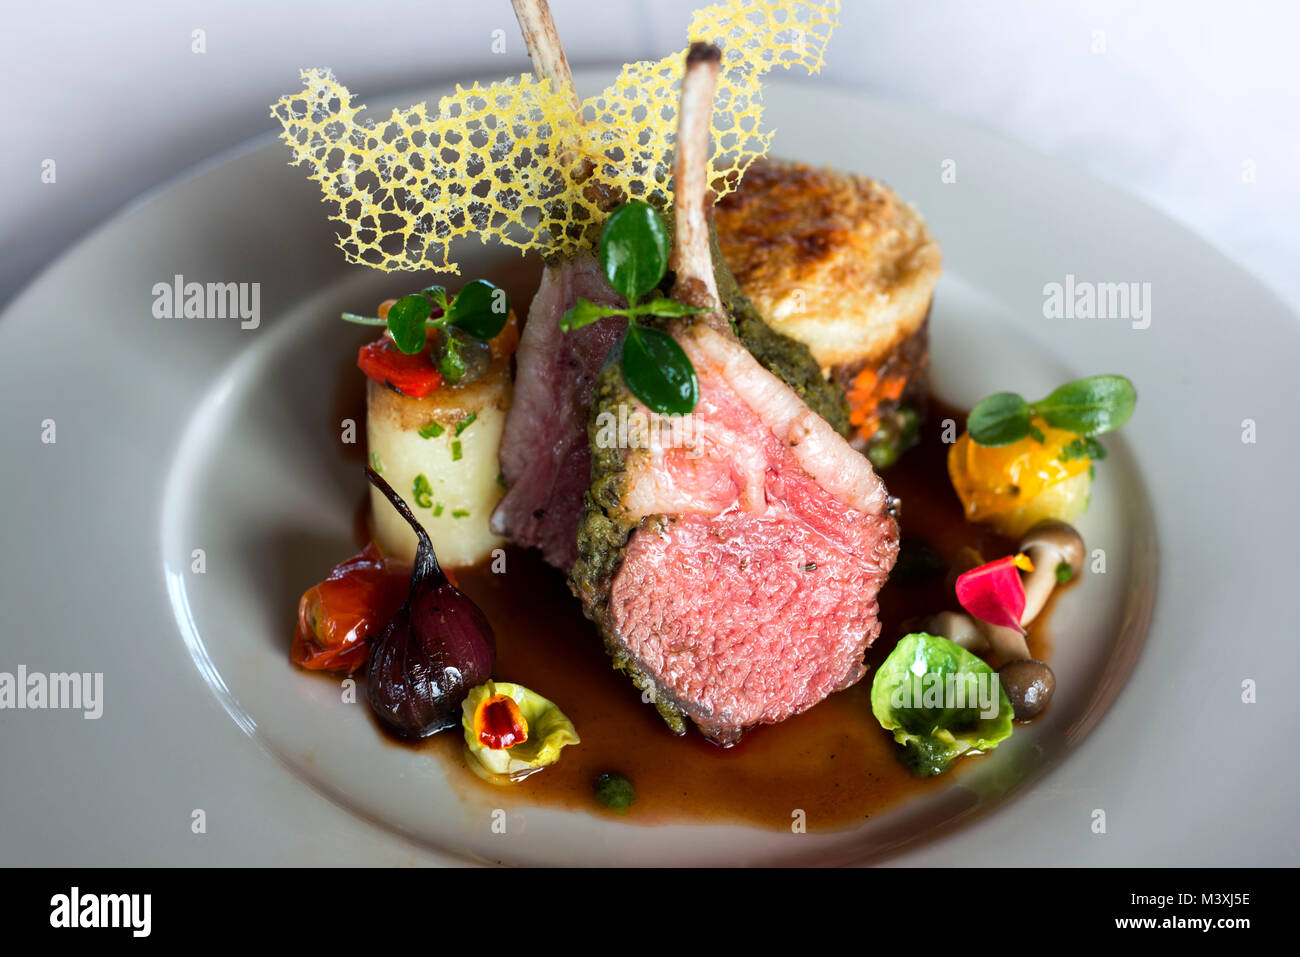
<point x="354" y="602"/>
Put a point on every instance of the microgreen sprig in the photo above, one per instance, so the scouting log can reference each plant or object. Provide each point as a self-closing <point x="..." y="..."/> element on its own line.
<point x="634" y="250"/>
<point x="1092" y="406"/>
<point x="479" y="310"/>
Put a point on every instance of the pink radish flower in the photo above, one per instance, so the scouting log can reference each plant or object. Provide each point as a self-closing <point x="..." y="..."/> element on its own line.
<point x="994" y="592"/>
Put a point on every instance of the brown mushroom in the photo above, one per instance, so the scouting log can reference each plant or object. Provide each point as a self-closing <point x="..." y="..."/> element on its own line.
<point x="975" y="635"/>
<point x="1049" y="545"/>
<point x="959" y="628"/>
<point x="1029" y="685"/>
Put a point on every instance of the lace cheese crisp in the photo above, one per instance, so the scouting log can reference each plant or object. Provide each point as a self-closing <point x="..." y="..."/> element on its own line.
<point x="512" y="161"/>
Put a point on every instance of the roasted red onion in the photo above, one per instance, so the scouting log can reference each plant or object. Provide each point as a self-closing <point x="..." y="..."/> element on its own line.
<point x="438" y="646"/>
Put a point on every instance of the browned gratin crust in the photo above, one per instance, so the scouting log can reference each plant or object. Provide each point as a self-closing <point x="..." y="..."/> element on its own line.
<point x="842" y="264"/>
<point x="835" y="260"/>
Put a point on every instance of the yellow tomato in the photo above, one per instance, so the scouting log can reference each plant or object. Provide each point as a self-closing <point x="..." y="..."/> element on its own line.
<point x="1014" y="486"/>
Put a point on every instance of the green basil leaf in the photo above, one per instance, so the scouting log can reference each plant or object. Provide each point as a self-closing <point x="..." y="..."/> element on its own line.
<point x="585" y="313"/>
<point x="670" y="308"/>
<point x="406" y="323"/>
<point x="658" y="372"/>
<point x="634" y="248"/>
<point x="1092" y="406"/>
<point x="1000" y="419"/>
<point x="364" y="320"/>
<point x="479" y="309"/>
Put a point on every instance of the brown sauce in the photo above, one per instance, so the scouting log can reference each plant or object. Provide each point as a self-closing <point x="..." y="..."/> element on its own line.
<point x="833" y="762"/>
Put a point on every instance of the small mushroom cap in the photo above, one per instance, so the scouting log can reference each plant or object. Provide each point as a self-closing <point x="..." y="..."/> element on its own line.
<point x="959" y="628"/>
<point x="1029" y="685"/>
<point x="1058" y="535"/>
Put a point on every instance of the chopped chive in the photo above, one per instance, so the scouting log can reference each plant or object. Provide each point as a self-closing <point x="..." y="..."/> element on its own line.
<point x="460" y="513"/>
<point x="431" y="431"/>
<point x="456" y="452"/>
<point x="437" y="510"/>
<point x="422" y="491"/>
<point x="466" y="422"/>
<point x="375" y="464"/>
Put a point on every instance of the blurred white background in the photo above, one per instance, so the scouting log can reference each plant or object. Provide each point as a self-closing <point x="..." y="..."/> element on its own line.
<point x="1192" y="105"/>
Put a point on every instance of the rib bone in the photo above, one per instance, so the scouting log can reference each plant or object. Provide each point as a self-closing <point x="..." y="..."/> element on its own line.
<point x="543" y="41"/>
<point x="691" y="258"/>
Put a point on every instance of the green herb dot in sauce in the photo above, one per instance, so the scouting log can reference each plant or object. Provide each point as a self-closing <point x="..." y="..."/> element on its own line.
<point x="615" y="792"/>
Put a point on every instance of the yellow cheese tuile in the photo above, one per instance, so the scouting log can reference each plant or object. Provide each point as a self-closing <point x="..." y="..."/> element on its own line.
<point x="509" y="160"/>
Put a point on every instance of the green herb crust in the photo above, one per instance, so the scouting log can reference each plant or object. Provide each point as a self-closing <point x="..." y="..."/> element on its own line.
<point x="788" y="359"/>
<point x="603" y="531"/>
<point x="791" y="362"/>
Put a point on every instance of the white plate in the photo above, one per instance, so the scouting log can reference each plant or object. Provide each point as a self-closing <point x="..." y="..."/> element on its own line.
<point x="174" y="435"/>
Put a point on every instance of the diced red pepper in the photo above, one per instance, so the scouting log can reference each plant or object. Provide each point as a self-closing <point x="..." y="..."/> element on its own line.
<point x="413" y="375"/>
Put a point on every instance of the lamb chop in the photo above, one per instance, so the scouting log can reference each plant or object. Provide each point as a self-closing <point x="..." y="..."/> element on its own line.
<point x="545" y="460"/>
<point x="545" y="455"/>
<point x="734" y="579"/>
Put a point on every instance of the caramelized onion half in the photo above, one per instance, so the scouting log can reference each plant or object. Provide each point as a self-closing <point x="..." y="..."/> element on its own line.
<point x="437" y="647"/>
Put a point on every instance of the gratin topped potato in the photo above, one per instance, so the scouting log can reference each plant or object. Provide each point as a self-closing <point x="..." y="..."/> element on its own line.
<point x="842" y="264"/>
<point x="833" y="259"/>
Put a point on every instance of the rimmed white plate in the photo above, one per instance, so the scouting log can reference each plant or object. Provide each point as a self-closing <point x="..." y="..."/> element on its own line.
<point x="174" y="435"/>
